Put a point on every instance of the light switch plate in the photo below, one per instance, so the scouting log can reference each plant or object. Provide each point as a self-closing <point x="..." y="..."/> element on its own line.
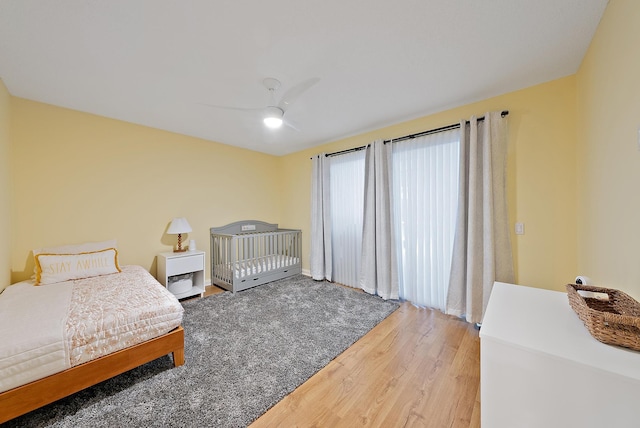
<point x="519" y="228"/>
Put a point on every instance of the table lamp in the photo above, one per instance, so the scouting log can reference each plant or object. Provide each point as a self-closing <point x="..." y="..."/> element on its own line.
<point x="178" y="226"/>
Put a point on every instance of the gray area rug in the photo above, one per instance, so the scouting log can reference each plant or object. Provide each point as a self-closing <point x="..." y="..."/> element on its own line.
<point x="243" y="354"/>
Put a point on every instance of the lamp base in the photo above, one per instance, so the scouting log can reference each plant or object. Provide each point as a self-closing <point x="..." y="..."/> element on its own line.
<point x="179" y="249"/>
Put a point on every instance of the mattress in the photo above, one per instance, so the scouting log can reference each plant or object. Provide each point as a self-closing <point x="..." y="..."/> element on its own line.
<point x="256" y="266"/>
<point x="50" y="328"/>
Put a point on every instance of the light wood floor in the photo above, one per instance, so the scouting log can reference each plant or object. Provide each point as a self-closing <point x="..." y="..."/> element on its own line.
<point x="417" y="368"/>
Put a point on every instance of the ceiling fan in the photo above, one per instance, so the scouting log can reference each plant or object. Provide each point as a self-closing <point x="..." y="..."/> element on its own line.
<point x="273" y="114"/>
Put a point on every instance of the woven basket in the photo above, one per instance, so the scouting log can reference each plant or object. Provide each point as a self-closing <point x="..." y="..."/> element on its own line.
<point x="615" y="321"/>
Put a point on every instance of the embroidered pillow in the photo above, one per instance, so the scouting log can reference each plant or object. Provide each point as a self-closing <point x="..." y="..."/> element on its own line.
<point x="86" y="247"/>
<point x="52" y="268"/>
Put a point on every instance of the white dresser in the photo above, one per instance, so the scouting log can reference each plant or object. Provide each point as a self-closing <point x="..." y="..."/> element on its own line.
<point x="540" y="367"/>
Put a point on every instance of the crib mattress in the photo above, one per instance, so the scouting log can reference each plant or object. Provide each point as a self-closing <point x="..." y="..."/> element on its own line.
<point x="241" y="269"/>
<point x="47" y="329"/>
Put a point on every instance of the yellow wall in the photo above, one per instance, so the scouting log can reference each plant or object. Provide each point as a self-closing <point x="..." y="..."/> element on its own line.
<point x="79" y="177"/>
<point x="5" y="188"/>
<point x="608" y="151"/>
<point x="541" y="176"/>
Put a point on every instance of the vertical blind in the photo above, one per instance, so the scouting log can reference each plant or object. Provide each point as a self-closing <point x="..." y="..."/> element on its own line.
<point x="346" y="176"/>
<point x="425" y="195"/>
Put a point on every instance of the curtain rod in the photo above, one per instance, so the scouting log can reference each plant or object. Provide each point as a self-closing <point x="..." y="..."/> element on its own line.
<point x="442" y="129"/>
<point x="409" y="137"/>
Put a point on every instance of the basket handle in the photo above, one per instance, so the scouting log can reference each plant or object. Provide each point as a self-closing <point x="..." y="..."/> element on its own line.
<point x="598" y="295"/>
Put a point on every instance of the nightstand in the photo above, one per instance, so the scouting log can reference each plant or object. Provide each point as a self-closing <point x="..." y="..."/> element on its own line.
<point x="176" y="269"/>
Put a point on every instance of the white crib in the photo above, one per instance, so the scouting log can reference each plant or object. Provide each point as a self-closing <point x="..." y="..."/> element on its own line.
<point x="248" y="253"/>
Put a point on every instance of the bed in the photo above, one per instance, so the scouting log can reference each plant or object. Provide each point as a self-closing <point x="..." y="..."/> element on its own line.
<point x="61" y="337"/>
<point x="249" y="253"/>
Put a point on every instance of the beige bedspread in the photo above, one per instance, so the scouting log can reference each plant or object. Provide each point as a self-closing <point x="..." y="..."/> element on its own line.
<point x="113" y="312"/>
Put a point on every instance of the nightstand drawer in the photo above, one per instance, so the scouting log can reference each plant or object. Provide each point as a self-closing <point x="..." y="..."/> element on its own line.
<point x="185" y="264"/>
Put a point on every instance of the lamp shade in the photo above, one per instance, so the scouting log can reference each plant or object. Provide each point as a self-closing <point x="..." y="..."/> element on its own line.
<point x="179" y="225"/>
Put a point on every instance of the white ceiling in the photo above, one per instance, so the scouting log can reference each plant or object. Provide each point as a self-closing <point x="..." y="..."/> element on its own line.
<point x="157" y="62"/>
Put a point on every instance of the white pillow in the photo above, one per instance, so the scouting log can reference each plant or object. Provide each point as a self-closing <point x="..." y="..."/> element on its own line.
<point x="52" y="268"/>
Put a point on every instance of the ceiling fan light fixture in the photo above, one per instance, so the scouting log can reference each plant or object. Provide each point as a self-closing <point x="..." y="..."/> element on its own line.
<point x="273" y="122"/>
<point x="273" y="117"/>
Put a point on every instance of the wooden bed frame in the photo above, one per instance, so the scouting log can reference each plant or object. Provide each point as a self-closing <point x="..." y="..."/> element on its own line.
<point x="31" y="396"/>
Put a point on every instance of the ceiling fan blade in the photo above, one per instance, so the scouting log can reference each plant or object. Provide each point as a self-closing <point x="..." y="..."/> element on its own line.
<point x="294" y="92"/>
<point x="291" y="125"/>
<point x="233" y="108"/>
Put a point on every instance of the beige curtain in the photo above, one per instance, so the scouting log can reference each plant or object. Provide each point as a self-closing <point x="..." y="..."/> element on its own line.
<point x="320" y="257"/>
<point x="379" y="272"/>
<point x="482" y="246"/>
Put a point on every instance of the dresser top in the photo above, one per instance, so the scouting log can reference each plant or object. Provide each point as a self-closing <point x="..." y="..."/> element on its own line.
<point x="542" y="321"/>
